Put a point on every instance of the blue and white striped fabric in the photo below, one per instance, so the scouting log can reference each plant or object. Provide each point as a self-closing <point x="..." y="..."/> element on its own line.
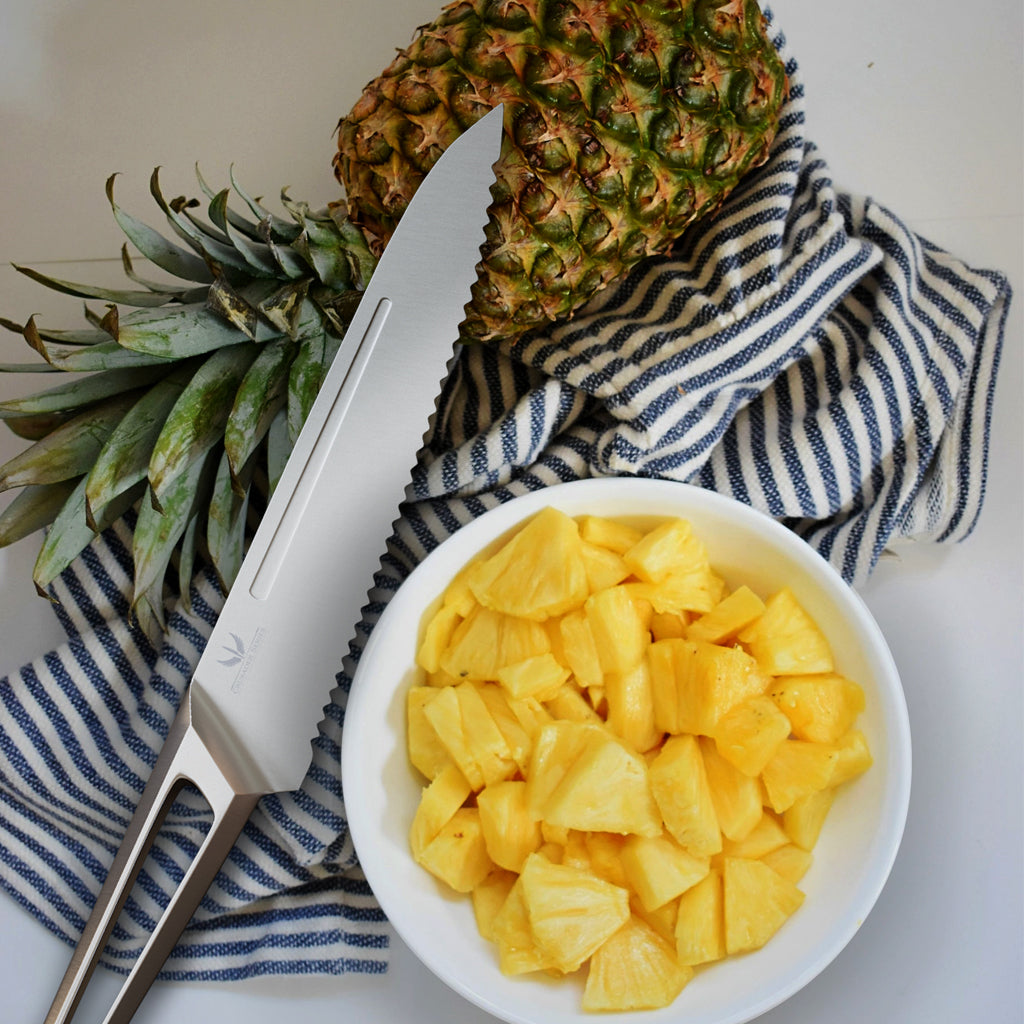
<point x="803" y="352"/>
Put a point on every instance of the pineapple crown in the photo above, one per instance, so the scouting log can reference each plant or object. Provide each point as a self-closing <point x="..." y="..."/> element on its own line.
<point x="181" y="405"/>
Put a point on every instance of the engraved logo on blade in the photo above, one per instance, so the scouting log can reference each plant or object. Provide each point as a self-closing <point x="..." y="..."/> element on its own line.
<point x="238" y="652"/>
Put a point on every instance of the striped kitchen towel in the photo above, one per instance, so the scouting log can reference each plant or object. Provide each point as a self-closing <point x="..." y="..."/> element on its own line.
<point x="803" y="352"/>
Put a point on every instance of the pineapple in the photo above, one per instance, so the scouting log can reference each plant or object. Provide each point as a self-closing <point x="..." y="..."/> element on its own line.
<point x="489" y="897"/>
<point x="186" y="395"/>
<point x="439" y="801"/>
<point x="804" y="818"/>
<point x="617" y="624"/>
<point x="757" y="901"/>
<point x="510" y="833"/>
<point x="540" y="676"/>
<point x="727" y="618"/>
<point x="736" y="797"/>
<point x="518" y="952"/>
<point x="630" y="702"/>
<point x="635" y="969"/>
<point x="605" y="788"/>
<point x="426" y="751"/>
<point x="700" y="923"/>
<point x="785" y="640"/>
<point x="853" y="756"/>
<point x="571" y="912"/>
<point x="820" y="708"/>
<point x="580" y="649"/>
<point x="625" y="121"/>
<point x="767" y="835"/>
<point x="750" y="732"/>
<point x="790" y="861"/>
<point x="457" y="855"/>
<point x="612" y="534"/>
<point x="658" y="869"/>
<point x="680" y="786"/>
<point x="487" y="641"/>
<point x="539" y="573"/>
<point x="797" y="769"/>
<point x="437" y="636"/>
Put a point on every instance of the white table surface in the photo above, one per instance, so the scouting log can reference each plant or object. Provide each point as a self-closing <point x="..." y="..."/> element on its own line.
<point x="918" y="104"/>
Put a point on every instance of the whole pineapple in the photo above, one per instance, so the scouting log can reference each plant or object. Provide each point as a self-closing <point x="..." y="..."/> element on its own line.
<point x="625" y="121"/>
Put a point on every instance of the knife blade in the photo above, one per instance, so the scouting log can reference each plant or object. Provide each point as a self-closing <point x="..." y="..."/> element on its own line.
<point x="257" y="695"/>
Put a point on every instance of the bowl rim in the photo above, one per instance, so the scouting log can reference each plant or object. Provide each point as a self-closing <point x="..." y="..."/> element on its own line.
<point x="502" y="518"/>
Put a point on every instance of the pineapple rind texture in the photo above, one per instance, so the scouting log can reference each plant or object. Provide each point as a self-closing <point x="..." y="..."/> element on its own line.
<point x="623" y="792"/>
<point x="625" y="122"/>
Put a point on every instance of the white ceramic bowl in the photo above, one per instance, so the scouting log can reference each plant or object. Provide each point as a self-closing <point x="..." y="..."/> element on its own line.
<point x="851" y="861"/>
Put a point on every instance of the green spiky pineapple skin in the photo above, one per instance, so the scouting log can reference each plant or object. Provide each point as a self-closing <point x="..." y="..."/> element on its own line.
<point x="625" y="122"/>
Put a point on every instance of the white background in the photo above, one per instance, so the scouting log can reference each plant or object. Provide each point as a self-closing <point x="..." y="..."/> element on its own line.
<point x="917" y="104"/>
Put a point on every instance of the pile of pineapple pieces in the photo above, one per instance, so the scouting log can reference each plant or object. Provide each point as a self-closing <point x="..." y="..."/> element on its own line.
<point x="628" y="764"/>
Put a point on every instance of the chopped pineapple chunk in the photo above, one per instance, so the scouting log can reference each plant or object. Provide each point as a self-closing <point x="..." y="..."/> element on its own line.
<point x="635" y="969"/>
<point x="628" y="766"/>
<point x="757" y="901"/>
<point x="571" y="912"/>
<point x="785" y="640"/>
<point x="538" y="573"/>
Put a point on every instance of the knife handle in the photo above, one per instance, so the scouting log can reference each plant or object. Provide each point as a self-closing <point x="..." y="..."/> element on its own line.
<point x="184" y="758"/>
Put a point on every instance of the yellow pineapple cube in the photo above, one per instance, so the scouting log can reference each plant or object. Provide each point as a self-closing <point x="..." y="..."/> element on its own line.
<point x="680" y="786"/>
<point x="821" y="707"/>
<point x="580" y="649"/>
<point x="605" y="852"/>
<point x="438" y="803"/>
<point x="489" y="897"/>
<point x="605" y="789"/>
<point x="635" y="969"/>
<point x="669" y="549"/>
<point x="662" y="919"/>
<point x="696" y="683"/>
<point x="608" y="533"/>
<point x="510" y="833"/>
<point x="804" y="818"/>
<point x="426" y="752"/>
<point x="436" y="637"/>
<point x="700" y="923"/>
<point x="727" y="618"/>
<point x="853" y="756"/>
<point x="459" y="716"/>
<point x="571" y="912"/>
<point x="767" y="835"/>
<point x="540" y="572"/>
<point x="630" y="707"/>
<point x="668" y="625"/>
<point x="604" y="568"/>
<point x="487" y="641"/>
<point x="570" y="705"/>
<point x="797" y="769"/>
<point x="458" y="594"/>
<point x="518" y="952"/>
<point x="658" y="869"/>
<point x="457" y="855"/>
<point x="736" y="797"/>
<point x="750" y="732"/>
<point x="790" y="861"/>
<point x="540" y="676"/>
<point x="785" y="640"/>
<point x="509" y="723"/>
<point x="531" y="715"/>
<point x="556" y="747"/>
<point x="618" y="627"/>
<point x="757" y="901"/>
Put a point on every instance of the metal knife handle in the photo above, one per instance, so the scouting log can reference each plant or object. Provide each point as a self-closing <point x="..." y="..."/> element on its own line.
<point x="184" y="758"/>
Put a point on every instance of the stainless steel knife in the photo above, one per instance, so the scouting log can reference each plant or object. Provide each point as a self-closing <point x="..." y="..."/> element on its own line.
<point x="258" y="693"/>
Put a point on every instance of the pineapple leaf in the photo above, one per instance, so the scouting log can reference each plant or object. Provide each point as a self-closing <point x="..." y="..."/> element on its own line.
<point x="308" y="370"/>
<point x="34" y="508"/>
<point x="225" y="527"/>
<point x="106" y="355"/>
<point x="124" y="459"/>
<point x="204" y="243"/>
<point x="157" y="532"/>
<point x="191" y="295"/>
<point x="81" y="391"/>
<point x="256" y="254"/>
<point x="197" y="421"/>
<point x="279" y="447"/>
<point x="157" y="249"/>
<point x="27" y="368"/>
<point x="263" y="391"/>
<point x="34" y="427"/>
<point x="70" y="449"/>
<point x="286" y="307"/>
<point x="84" y="291"/>
<point x="177" y="333"/>
<point x="71" y="534"/>
<point x="280" y="230"/>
